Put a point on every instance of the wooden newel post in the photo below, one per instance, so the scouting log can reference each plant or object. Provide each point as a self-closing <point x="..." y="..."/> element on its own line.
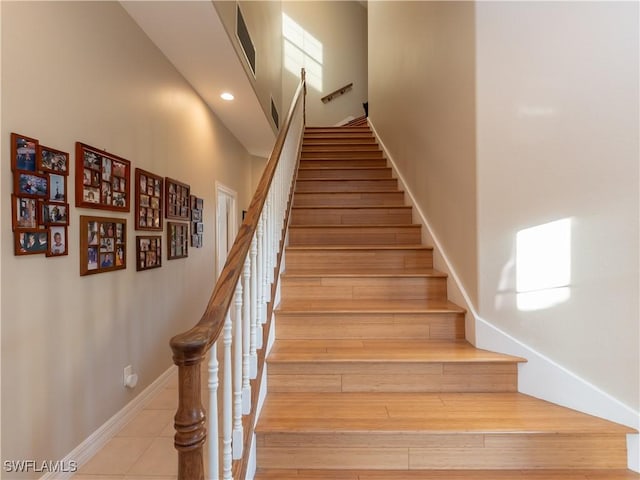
<point x="190" y="418"/>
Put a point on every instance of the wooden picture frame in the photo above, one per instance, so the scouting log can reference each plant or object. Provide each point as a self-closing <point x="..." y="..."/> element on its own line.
<point x="52" y="160"/>
<point x="149" y="200"/>
<point x="31" y="241"/>
<point x="51" y="213"/>
<point x="103" y="244"/>
<point x="24" y="152"/>
<point x="31" y="184"/>
<point x="57" y="185"/>
<point x="108" y="178"/>
<point x="148" y="252"/>
<point x="177" y="240"/>
<point x="24" y="212"/>
<point x="58" y="241"/>
<point x="177" y="197"/>
<point x="197" y="227"/>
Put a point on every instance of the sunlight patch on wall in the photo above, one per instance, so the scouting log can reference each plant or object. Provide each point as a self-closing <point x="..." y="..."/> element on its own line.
<point x="543" y="265"/>
<point x="302" y="50"/>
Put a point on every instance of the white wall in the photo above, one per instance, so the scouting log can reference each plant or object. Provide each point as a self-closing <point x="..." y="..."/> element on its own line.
<point x="557" y="117"/>
<point x="329" y="39"/>
<point x="264" y="23"/>
<point x="422" y="104"/>
<point x="83" y="71"/>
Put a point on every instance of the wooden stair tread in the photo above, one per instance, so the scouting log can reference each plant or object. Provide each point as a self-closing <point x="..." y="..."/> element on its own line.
<point x="352" y="207"/>
<point x="343" y="167"/>
<point x="354" y="272"/>
<point x="357" y="247"/>
<point x="425" y="413"/>
<point x="369" y="350"/>
<point x="357" y="225"/>
<point x="547" y="474"/>
<point x="355" y="192"/>
<point x="368" y="306"/>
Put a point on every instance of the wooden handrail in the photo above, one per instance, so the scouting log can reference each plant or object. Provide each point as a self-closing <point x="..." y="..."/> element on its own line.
<point x="190" y="347"/>
<point x="336" y="93"/>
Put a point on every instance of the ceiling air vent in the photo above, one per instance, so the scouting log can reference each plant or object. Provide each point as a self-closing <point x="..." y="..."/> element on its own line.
<point x="274" y="114"/>
<point x="245" y="40"/>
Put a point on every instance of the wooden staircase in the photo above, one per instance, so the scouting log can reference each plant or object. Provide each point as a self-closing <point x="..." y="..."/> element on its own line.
<point x="370" y="376"/>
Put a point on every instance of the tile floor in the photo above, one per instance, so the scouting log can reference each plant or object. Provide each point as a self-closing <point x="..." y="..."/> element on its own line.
<point x="143" y="449"/>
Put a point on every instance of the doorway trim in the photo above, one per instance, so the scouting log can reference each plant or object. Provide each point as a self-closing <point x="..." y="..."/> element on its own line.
<point x="225" y="193"/>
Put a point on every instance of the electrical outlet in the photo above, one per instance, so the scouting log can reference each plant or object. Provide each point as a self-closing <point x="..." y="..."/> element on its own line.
<point x="128" y="371"/>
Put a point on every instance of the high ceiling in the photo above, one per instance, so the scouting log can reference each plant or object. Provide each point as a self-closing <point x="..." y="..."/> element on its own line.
<point x="192" y="36"/>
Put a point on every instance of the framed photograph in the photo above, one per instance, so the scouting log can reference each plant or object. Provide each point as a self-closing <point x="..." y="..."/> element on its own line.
<point x="57" y="241"/>
<point x="57" y="187"/>
<point x="178" y="240"/>
<point x="149" y="201"/>
<point x="177" y="199"/>
<point x="197" y="227"/>
<point x="196" y="240"/>
<point x="103" y="244"/>
<point x="32" y="185"/>
<point x="24" y="151"/>
<point x="52" y="160"/>
<point x="102" y="179"/>
<point x="24" y="212"/>
<point x="148" y="252"/>
<point x="54" y="213"/>
<point x="31" y="241"/>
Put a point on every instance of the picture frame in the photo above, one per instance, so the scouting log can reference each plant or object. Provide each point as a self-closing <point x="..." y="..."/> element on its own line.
<point x="148" y="252"/>
<point x="177" y="198"/>
<point x="102" y="179"/>
<point x="51" y="213"/>
<point x="24" y="212"/>
<point x="58" y="242"/>
<point x="24" y="151"/>
<point x="149" y="200"/>
<point x="197" y="227"/>
<point x="52" y="160"/>
<point x="177" y="240"/>
<point x="103" y="244"/>
<point x="57" y="187"/>
<point x="196" y="240"/>
<point x="28" y="184"/>
<point x="31" y="241"/>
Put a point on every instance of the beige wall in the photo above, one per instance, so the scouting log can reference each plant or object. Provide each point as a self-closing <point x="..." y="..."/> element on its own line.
<point x="83" y="71"/>
<point x="264" y="22"/>
<point x="422" y="104"/>
<point x="557" y="90"/>
<point x="505" y="116"/>
<point x="339" y="31"/>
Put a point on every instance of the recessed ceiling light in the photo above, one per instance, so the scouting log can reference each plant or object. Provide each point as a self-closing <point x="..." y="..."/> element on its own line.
<point x="226" y="96"/>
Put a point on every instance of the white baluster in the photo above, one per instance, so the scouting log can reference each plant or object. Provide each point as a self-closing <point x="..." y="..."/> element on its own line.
<point x="263" y="274"/>
<point x="267" y="251"/>
<point x="238" y="440"/>
<point x="214" y="447"/>
<point x="260" y="269"/>
<point x="253" y="356"/>
<point x="246" y="321"/>
<point x="227" y="399"/>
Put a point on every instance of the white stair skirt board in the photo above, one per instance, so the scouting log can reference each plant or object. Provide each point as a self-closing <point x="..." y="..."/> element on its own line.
<point x="98" y="439"/>
<point x="540" y="377"/>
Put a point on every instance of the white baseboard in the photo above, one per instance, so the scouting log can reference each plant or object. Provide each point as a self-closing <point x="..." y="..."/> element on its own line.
<point x="540" y="377"/>
<point x="98" y="439"/>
